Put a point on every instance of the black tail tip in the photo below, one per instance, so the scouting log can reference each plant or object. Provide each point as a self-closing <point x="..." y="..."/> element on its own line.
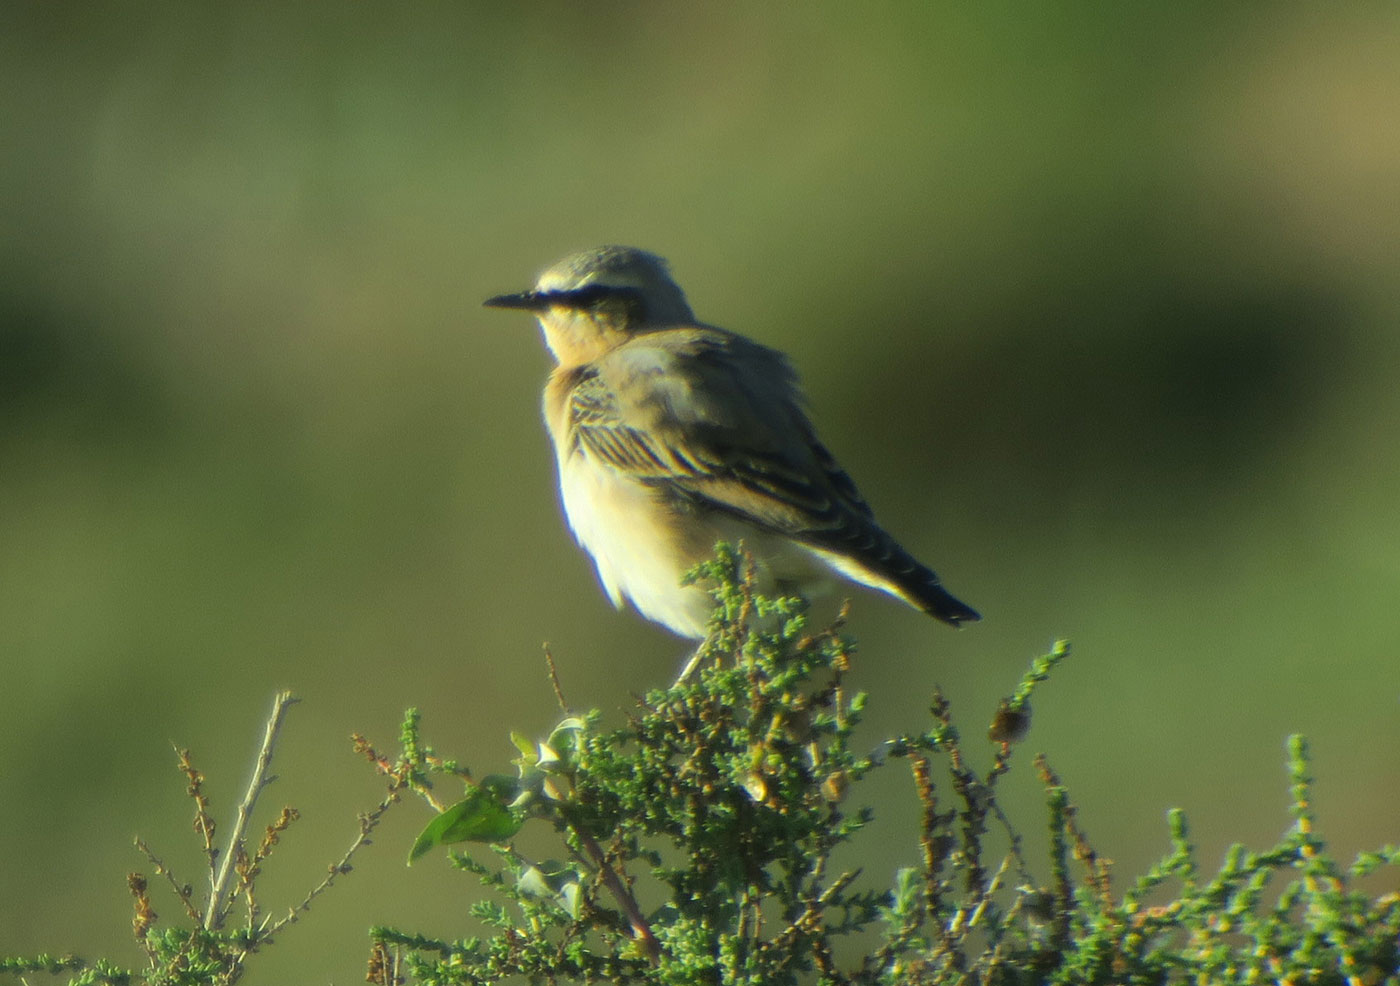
<point x="950" y="609"/>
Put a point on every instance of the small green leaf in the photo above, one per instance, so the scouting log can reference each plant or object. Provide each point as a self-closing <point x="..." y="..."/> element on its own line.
<point x="523" y="744"/>
<point x="554" y="882"/>
<point x="532" y="883"/>
<point x="481" y="816"/>
<point x="566" y="734"/>
<point x="568" y="898"/>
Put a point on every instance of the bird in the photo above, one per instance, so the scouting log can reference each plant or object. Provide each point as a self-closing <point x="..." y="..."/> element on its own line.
<point x="671" y="435"/>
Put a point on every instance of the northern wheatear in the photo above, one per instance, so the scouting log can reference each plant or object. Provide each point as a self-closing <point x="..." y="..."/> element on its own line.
<point x="671" y="435"/>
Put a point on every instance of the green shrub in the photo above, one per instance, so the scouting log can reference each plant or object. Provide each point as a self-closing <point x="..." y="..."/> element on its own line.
<point x="695" y="845"/>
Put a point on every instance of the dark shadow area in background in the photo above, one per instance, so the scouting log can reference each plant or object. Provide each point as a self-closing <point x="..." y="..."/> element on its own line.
<point x="60" y="369"/>
<point x="1169" y="399"/>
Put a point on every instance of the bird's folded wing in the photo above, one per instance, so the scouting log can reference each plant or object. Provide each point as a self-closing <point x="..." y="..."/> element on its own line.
<point x="708" y="421"/>
<point x="746" y="453"/>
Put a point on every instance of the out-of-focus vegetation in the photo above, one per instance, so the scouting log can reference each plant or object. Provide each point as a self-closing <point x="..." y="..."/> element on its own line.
<point x="1098" y="306"/>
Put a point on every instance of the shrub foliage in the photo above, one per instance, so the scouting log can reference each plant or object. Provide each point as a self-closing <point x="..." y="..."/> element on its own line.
<point x="698" y="843"/>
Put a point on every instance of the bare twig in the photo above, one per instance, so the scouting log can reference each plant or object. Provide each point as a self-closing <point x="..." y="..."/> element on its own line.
<point x="203" y="818"/>
<point x="367" y="825"/>
<point x="641" y="931"/>
<point x="219" y="894"/>
<point x="181" y="890"/>
<point x="809" y="920"/>
<point x="554" y="680"/>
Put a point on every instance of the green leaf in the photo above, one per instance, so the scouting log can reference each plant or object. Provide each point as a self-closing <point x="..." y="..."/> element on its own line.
<point x="524" y="744"/>
<point x="568" y="898"/>
<point x="554" y="882"/>
<point x="532" y="883"/>
<point x="565" y="737"/>
<point x="482" y="816"/>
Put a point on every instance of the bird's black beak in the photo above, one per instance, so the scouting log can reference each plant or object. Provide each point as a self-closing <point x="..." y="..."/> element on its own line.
<point x="530" y="301"/>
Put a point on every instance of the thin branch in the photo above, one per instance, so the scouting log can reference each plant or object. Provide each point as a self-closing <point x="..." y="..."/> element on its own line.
<point x="554" y="680"/>
<point x="641" y="931"/>
<point x="181" y="891"/>
<point x="809" y="919"/>
<point x="219" y="896"/>
<point x="367" y="825"/>
<point x="203" y="818"/>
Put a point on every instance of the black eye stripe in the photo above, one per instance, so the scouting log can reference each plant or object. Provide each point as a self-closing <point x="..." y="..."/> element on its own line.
<point x="589" y="296"/>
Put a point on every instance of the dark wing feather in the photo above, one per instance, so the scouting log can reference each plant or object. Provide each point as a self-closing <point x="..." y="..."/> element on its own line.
<point x="738" y="445"/>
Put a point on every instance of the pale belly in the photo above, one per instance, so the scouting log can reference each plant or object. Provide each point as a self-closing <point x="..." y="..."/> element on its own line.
<point x="643" y="545"/>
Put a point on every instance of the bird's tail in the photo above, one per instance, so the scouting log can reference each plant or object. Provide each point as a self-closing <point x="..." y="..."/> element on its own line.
<point x="937" y="601"/>
<point x="882" y="564"/>
<point x="919" y="585"/>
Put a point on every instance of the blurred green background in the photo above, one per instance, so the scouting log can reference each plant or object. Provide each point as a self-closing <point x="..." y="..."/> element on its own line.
<point x="1099" y="305"/>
